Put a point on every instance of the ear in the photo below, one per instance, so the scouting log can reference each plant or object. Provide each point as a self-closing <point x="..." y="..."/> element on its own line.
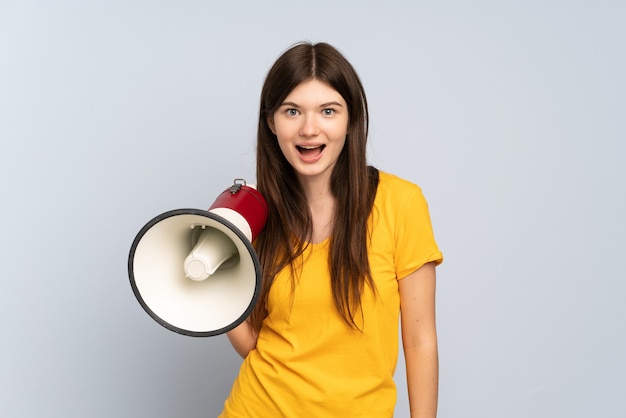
<point x="270" y="123"/>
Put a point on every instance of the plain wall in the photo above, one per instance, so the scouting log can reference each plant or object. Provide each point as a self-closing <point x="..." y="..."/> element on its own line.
<point x="509" y="115"/>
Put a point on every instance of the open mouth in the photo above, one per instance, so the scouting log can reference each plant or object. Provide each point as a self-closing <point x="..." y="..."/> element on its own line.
<point x="310" y="151"/>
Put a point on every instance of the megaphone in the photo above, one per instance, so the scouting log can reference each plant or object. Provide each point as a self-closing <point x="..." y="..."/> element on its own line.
<point x="195" y="271"/>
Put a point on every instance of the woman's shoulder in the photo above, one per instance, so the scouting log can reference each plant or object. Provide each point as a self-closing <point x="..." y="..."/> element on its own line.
<point x="392" y="184"/>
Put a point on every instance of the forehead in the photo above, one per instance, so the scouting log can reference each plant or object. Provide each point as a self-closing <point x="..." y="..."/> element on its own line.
<point x="314" y="92"/>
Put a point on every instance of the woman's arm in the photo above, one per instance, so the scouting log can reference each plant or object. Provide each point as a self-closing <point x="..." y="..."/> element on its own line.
<point x="419" y="339"/>
<point x="243" y="338"/>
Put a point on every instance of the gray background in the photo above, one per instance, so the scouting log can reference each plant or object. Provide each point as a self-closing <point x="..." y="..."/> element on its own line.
<point x="509" y="114"/>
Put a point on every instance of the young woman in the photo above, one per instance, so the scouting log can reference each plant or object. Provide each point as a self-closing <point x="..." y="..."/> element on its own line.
<point x="345" y="251"/>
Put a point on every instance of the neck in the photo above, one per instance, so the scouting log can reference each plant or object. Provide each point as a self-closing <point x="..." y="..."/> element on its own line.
<point x="322" y="206"/>
<point x="316" y="189"/>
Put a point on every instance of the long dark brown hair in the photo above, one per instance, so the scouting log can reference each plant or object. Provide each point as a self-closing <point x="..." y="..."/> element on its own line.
<point x="352" y="183"/>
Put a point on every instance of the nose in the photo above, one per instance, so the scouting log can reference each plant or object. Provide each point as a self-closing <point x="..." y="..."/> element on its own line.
<point x="310" y="126"/>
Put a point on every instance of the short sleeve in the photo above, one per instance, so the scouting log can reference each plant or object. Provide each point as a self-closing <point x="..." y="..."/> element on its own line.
<point x="415" y="241"/>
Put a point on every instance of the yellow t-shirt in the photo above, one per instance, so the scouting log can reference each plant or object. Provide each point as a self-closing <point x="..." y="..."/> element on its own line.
<point x="307" y="361"/>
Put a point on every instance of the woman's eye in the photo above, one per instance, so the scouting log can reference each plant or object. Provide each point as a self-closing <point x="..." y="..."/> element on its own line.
<point x="329" y="112"/>
<point x="292" y="112"/>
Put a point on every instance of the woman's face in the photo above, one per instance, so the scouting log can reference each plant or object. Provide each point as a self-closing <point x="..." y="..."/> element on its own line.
<point x="311" y="125"/>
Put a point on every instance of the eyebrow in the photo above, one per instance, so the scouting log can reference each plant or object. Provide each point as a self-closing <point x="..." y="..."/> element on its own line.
<point x="292" y="104"/>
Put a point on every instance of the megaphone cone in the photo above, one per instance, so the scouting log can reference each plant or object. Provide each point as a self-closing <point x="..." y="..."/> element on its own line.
<point x="195" y="271"/>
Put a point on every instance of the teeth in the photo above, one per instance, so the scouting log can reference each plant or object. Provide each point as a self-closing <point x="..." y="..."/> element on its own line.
<point x="309" y="147"/>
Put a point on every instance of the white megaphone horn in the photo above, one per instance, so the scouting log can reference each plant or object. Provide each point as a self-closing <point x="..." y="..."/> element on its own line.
<point x="195" y="271"/>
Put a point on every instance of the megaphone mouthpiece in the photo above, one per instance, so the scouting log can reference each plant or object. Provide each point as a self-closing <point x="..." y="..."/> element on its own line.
<point x="210" y="252"/>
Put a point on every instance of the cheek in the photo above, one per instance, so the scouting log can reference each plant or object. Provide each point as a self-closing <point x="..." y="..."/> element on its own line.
<point x="342" y="128"/>
<point x="281" y="130"/>
<point x="283" y="144"/>
<point x="341" y="144"/>
<point x="286" y="134"/>
<point x="340" y="132"/>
